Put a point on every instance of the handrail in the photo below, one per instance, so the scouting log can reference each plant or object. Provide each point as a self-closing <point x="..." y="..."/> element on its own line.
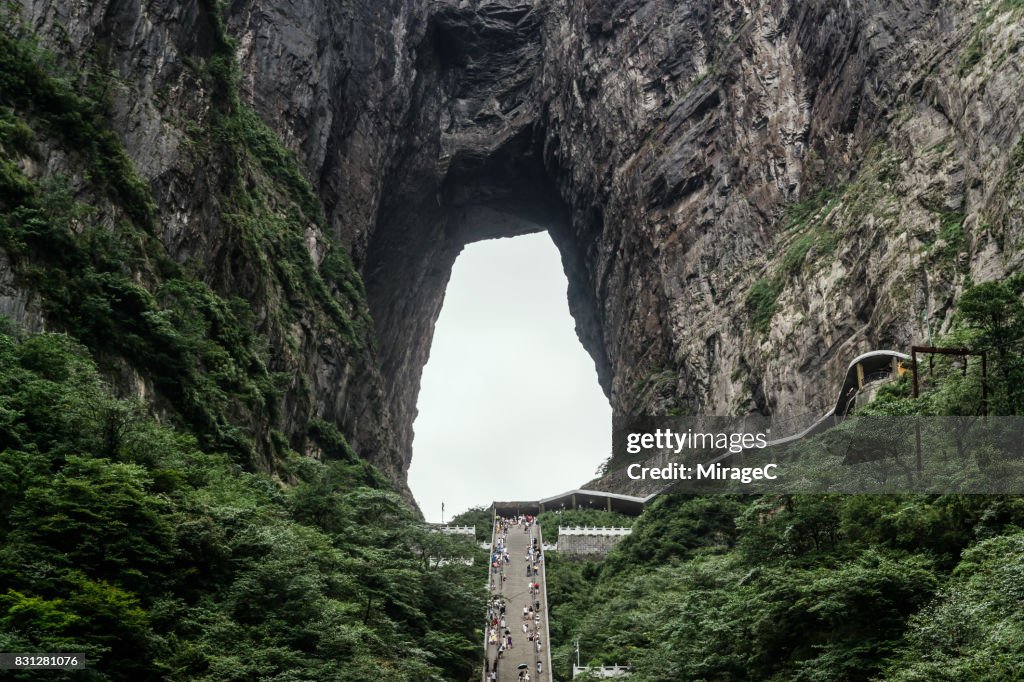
<point x="839" y="409"/>
<point x="593" y="530"/>
<point x="547" y="608"/>
<point x="456" y="530"/>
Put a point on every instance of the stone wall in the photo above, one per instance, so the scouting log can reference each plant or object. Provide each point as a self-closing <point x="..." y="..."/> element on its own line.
<point x="589" y="542"/>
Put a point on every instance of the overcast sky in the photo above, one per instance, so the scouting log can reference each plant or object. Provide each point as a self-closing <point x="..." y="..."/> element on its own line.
<point x="510" y="407"/>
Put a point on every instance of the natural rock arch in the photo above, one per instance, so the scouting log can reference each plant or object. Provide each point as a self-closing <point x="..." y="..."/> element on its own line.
<point x="659" y="142"/>
<point x="474" y="170"/>
<point x="410" y="258"/>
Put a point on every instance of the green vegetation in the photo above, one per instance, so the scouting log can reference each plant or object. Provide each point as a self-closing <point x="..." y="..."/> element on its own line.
<point x="793" y="261"/>
<point x="807" y="220"/>
<point x="274" y="239"/>
<point x="823" y="587"/>
<point x="479" y="517"/>
<point x="989" y="318"/>
<point x="269" y="203"/>
<point x="800" y="214"/>
<point x="951" y="228"/>
<point x="89" y="249"/>
<point x="144" y="538"/>
<point x="120" y="537"/>
<point x="115" y="289"/>
<point x="760" y="303"/>
<point x="951" y="234"/>
<point x="76" y="120"/>
<point x="793" y="587"/>
<point x="200" y="350"/>
<point x="972" y="54"/>
<point x="972" y="630"/>
<point x="976" y="47"/>
<point x="140" y="534"/>
<point x="655" y="391"/>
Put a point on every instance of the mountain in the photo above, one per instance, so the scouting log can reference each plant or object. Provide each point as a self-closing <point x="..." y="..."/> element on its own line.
<point x="745" y="194"/>
<point x="226" y="229"/>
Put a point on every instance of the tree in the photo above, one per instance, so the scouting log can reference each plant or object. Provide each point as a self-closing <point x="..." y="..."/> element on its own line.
<point x="996" y="311"/>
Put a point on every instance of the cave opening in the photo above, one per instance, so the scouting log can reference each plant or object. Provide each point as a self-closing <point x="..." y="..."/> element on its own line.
<point x="480" y="199"/>
<point x="509" y="405"/>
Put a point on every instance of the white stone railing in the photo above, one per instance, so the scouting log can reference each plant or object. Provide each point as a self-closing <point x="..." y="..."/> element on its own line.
<point x="592" y="530"/>
<point x="447" y="561"/>
<point x="457" y="530"/>
<point x="602" y="671"/>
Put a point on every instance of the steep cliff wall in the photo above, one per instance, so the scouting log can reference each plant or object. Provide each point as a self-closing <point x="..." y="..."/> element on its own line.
<point x="766" y="189"/>
<point x="183" y="240"/>
<point x="745" y="193"/>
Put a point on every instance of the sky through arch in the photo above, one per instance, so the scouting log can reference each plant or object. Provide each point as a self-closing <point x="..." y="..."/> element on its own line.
<point x="509" y="406"/>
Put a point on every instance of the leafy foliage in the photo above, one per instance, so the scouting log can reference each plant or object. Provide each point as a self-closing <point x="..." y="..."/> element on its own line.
<point x="89" y="248"/>
<point x="990" y="319"/>
<point x="823" y="587"/>
<point x="149" y="544"/>
<point x="804" y="587"/>
<point x="760" y="303"/>
<point x="269" y="203"/>
<point x="78" y="121"/>
<point x="480" y="518"/>
<point x="973" y="630"/>
<point x="121" y="538"/>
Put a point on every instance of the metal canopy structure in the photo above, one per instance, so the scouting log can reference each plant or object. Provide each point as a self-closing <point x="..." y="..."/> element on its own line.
<point x="576" y="499"/>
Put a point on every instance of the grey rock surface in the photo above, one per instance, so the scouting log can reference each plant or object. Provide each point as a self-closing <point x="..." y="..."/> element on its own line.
<point x="859" y="161"/>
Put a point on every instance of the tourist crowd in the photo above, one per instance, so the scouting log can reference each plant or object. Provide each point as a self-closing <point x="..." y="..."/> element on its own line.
<point x="500" y="633"/>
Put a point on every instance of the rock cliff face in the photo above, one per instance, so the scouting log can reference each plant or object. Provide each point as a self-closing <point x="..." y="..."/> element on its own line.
<point x="745" y="193"/>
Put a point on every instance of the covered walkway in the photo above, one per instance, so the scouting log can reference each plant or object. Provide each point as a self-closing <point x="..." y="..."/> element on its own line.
<point x="575" y="499"/>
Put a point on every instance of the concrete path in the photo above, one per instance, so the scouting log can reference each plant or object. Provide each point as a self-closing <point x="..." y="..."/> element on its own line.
<point x="516" y="591"/>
